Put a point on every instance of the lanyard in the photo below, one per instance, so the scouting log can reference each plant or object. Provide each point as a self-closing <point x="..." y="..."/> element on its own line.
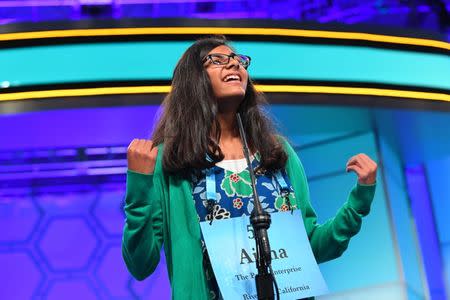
<point x="210" y="185"/>
<point x="284" y="190"/>
<point x="284" y="187"/>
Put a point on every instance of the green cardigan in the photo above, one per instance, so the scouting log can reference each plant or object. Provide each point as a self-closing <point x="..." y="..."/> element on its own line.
<point x="159" y="210"/>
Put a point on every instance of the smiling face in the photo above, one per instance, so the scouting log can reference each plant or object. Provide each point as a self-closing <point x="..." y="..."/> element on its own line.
<point x="228" y="81"/>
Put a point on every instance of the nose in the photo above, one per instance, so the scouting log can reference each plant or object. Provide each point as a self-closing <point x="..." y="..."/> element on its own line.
<point x="233" y="62"/>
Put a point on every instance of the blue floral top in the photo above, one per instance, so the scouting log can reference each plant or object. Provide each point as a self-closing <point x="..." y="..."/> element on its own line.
<point x="234" y="191"/>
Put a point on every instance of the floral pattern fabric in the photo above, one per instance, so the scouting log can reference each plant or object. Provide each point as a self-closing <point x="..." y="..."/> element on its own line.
<point x="233" y="199"/>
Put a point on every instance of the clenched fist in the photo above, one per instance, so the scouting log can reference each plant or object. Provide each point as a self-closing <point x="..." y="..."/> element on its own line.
<point x="364" y="167"/>
<point x="141" y="156"/>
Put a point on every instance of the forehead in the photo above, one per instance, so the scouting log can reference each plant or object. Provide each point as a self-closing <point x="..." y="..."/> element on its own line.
<point x="221" y="49"/>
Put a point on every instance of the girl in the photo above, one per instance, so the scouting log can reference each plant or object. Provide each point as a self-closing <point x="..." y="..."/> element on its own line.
<point x="165" y="198"/>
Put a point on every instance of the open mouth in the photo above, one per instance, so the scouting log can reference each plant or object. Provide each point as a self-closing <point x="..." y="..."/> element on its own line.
<point x="232" y="77"/>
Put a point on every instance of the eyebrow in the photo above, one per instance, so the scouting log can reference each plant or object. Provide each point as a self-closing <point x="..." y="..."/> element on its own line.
<point x="232" y="53"/>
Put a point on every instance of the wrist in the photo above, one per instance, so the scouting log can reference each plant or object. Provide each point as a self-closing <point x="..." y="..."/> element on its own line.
<point x="361" y="197"/>
<point x="140" y="172"/>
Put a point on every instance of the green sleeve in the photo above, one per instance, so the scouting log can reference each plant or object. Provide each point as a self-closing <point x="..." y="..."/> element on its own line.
<point x="142" y="234"/>
<point x="330" y="239"/>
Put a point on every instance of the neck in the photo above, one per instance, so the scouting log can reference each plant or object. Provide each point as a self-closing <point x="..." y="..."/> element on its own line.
<point x="228" y="125"/>
<point x="226" y="116"/>
<point x="230" y="141"/>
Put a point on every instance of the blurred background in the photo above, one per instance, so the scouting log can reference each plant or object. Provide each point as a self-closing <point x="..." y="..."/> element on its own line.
<point x="416" y="14"/>
<point x="79" y="79"/>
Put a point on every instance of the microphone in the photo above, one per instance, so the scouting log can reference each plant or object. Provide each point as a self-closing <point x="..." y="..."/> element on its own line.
<point x="260" y="221"/>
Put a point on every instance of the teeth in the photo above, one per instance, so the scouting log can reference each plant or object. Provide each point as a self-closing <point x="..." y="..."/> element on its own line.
<point x="232" y="77"/>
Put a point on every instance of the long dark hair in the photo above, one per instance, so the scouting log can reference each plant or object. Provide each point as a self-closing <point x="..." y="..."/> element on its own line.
<point x="189" y="128"/>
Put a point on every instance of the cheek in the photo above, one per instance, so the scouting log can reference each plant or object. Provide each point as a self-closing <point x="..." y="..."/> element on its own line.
<point x="245" y="82"/>
<point x="216" y="85"/>
<point x="213" y="81"/>
<point x="217" y="81"/>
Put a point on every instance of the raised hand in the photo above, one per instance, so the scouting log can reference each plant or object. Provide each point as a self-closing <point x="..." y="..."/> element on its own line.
<point x="364" y="167"/>
<point x="141" y="156"/>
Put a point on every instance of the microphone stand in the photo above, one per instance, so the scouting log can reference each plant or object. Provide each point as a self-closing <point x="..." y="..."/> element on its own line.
<point x="260" y="221"/>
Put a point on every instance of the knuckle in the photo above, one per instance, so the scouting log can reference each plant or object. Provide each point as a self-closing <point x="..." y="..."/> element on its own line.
<point x="130" y="150"/>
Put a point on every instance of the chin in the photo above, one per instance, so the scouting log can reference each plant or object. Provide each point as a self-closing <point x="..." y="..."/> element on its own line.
<point x="238" y="93"/>
<point x="234" y="96"/>
<point x="231" y="100"/>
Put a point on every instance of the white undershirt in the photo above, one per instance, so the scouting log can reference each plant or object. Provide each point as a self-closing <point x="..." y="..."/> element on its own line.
<point x="234" y="165"/>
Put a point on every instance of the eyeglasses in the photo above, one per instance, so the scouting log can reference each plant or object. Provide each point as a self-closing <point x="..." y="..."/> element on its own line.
<point x="224" y="59"/>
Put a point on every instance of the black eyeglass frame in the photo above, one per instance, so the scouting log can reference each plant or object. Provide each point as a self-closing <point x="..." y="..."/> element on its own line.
<point x="232" y="55"/>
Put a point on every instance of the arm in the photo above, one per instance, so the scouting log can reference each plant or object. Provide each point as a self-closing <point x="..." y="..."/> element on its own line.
<point x="143" y="230"/>
<point x="331" y="239"/>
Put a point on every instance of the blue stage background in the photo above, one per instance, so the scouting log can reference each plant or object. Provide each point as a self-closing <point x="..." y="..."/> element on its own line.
<point x="64" y="239"/>
<point x="63" y="158"/>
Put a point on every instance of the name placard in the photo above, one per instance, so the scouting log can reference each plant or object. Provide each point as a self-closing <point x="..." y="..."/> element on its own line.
<point x="231" y="249"/>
